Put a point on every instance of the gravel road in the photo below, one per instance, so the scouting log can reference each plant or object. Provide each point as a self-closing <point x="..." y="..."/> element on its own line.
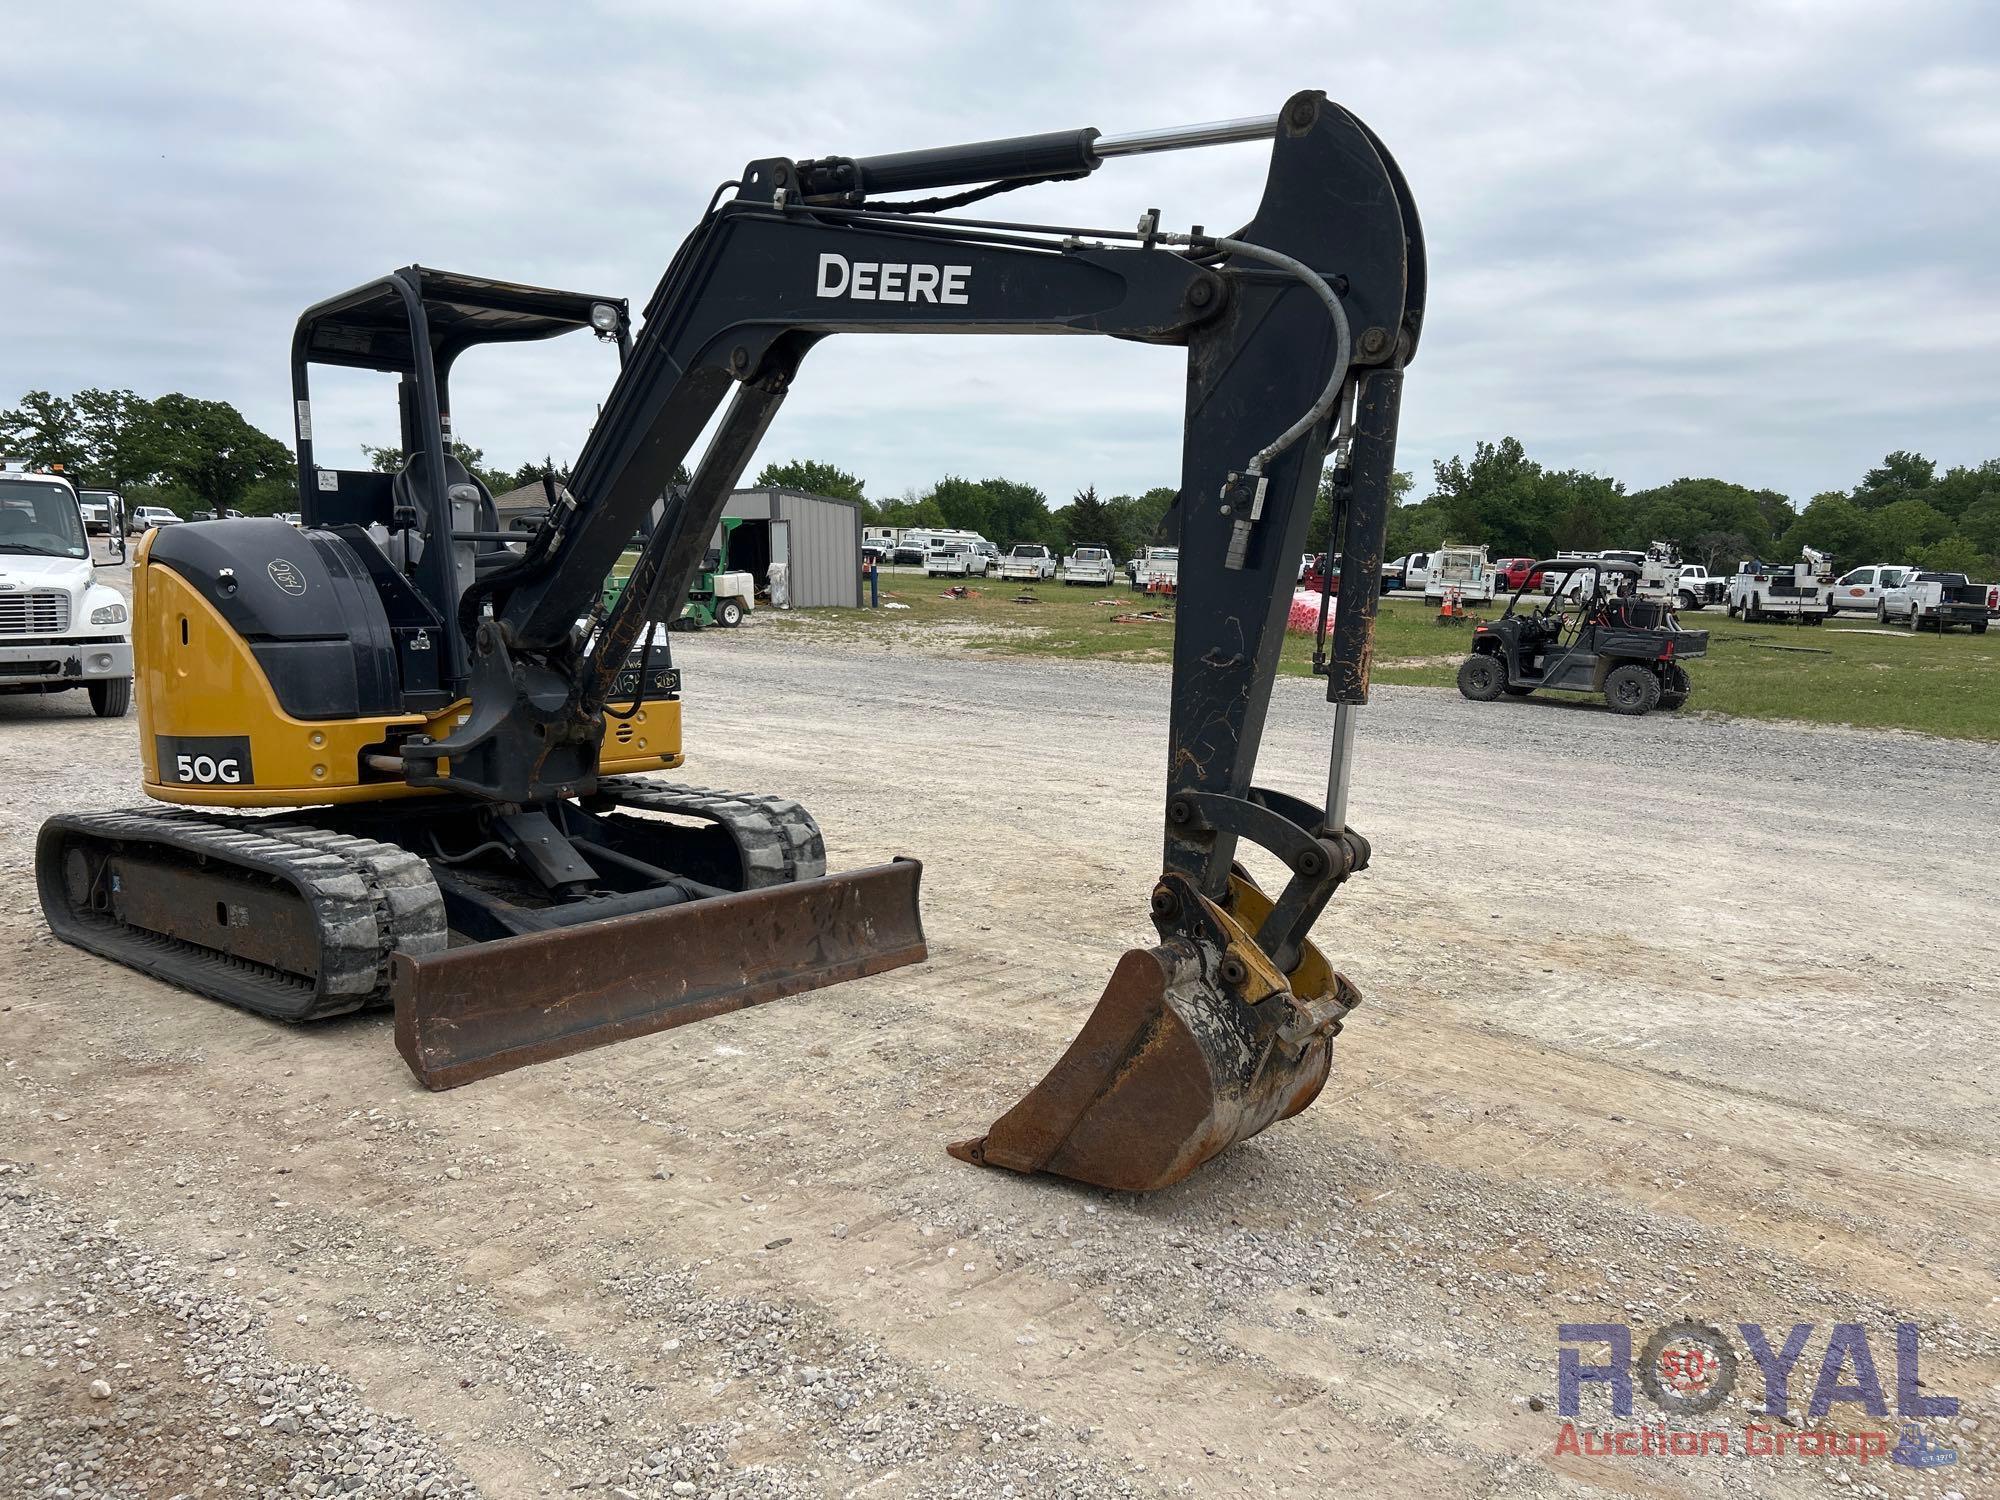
<point x="1669" y="1018"/>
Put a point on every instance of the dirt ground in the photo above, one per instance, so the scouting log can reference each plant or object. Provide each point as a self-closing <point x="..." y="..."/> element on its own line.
<point x="1671" y="1018"/>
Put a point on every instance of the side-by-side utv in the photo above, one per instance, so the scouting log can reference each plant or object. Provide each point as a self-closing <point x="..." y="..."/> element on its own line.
<point x="1601" y="638"/>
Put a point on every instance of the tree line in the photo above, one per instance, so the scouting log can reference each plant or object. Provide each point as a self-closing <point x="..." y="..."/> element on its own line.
<point x="191" y="454"/>
<point x="1903" y="510"/>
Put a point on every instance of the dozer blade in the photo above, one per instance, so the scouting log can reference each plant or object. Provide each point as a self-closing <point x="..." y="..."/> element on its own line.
<point x="476" y="1011"/>
<point x="1196" y="1044"/>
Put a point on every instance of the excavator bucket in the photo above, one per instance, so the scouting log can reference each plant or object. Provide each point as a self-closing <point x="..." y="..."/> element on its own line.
<point x="1196" y="1044"/>
<point x="475" y="1011"/>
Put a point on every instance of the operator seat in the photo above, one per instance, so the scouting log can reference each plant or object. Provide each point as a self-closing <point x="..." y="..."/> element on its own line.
<point x="464" y="493"/>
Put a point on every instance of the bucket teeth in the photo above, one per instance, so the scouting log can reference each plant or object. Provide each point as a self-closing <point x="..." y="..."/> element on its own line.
<point x="1195" y="1044"/>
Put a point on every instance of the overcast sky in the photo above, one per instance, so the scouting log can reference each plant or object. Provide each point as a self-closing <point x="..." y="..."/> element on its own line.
<point x="1751" y="240"/>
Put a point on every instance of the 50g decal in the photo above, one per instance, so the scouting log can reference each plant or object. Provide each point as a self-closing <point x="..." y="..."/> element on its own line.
<point x="203" y="760"/>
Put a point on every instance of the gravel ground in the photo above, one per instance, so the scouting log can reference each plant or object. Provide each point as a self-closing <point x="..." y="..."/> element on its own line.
<point x="1665" y="1018"/>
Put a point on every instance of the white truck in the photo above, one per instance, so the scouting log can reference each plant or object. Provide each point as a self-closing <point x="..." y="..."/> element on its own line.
<point x="1028" y="562"/>
<point x="1465" y="571"/>
<point x="1767" y="591"/>
<point x="1089" y="566"/>
<point x="59" y="627"/>
<point x="1159" y="570"/>
<point x="1935" y="601"/>
<point x="1861" y="589"/>
<point x="103" y="512"/>
<point x="953" y="560"/>
<point x="1697" y="588"/>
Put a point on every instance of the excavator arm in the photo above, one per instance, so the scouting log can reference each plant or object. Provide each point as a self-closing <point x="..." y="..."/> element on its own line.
<point x="1298" y="327"/>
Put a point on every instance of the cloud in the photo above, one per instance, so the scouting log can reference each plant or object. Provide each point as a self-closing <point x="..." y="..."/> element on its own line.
<point x="1744" y="239"/>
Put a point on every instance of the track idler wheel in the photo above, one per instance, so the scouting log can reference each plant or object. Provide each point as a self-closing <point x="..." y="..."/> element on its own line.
<point x="1196" y="1044"/>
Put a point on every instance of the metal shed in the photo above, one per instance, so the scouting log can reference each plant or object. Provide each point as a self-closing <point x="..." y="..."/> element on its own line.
<point x="818" y="537"/>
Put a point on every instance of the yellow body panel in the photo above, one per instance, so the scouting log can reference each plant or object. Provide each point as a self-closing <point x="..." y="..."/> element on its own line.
<point x="197" y="678"/>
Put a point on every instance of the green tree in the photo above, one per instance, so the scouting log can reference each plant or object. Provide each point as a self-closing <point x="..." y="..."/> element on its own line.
<point x="112" y="424"/>
<point x="1137" y="519"/>
<point x="1002" y="510"/>
<point x="44" y="431"/>
<point x="1901" y="528"/>
<point x="1508" y="501"/>
<point x="813" y="476"/>
<point x="1018" y="513"/>
<point x="1321" y="524"/>
<point x="206" y="448"/>
<point x="1980" y="523"/>
<point x="1961" y="488"/>
<point x="1087" y="521"/>
<point x="1688" y="509"/>
<point x="1591" y="511"/>
<point x="911" y="510"/>
<point x="1830" y="523"/>
<point x="1955" y="554"/>
<point x="1900" y="476"/>
<point x="270" y="497"/>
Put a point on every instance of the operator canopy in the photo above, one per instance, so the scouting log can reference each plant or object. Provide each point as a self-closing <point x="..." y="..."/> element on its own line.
<point x="369" y="328"/>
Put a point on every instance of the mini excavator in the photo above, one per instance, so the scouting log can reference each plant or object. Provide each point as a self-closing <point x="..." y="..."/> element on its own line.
<point x="442" y="727"/>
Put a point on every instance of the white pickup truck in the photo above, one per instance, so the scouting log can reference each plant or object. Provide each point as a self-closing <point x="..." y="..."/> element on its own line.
<point x="1861" y="589"/>
<point x="1935" y="601"/>
<point x="1028" y="562"/>
<point x="1089" y="566"/>
<point x="1796" y="591"/>
<point x="1159" y="570"/>
<point x="59" y="627"/>
<point x="1697" y="588"/>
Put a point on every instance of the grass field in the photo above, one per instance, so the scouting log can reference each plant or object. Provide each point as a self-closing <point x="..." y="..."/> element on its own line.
<point x="1845" y="672"/>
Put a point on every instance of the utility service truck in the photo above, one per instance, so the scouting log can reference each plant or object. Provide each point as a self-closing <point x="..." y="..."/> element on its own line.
<point x="1463" y="571"/>
<point x="1090" y="566"/>
<point x="1796" y="591"/>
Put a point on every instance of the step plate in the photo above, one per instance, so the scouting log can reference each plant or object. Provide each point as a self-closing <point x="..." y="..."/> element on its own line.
<point x="489" y="1008"/>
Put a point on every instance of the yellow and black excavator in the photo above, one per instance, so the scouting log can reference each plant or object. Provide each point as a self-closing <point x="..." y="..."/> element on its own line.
<point x="453" y="725"/>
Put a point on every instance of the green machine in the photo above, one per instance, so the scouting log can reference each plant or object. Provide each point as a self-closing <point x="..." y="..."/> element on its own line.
<point x="718" y="596"/>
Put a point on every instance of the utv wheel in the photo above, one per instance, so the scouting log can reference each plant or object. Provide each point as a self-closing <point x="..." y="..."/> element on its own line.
<point x="1675" y="687"/>
<point x="111" y="700"/>
<point x="729" y="612"/>
<point x="1481" y="678"/>
<point x="1632" y="689"/>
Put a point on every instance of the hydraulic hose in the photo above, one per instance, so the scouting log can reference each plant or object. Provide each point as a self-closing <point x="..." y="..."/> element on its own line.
<point x="1343" y="337"/>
